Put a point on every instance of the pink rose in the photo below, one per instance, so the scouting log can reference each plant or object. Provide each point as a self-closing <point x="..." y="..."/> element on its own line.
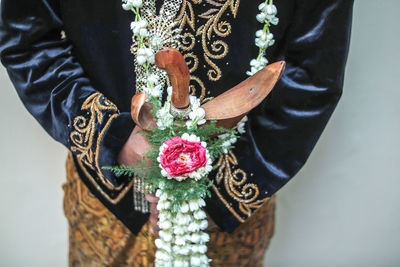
<point x="181" y="157"/>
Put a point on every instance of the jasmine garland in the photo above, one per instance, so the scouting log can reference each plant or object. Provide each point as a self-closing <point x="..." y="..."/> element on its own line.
<point x="183" y="148"/>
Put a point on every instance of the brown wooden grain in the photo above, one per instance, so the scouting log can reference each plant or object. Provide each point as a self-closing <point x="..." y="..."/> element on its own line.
<point x="239" y="100"/>
<point x="228" y="108"/>
<point x="174" y="64"/>
<point x="140" y="112"/>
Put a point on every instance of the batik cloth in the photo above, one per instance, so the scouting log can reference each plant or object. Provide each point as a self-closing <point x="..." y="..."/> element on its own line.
<point x="97" y="238"/>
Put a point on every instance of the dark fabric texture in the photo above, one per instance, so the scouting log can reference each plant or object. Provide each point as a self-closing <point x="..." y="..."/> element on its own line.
<point x="88" y="78"/>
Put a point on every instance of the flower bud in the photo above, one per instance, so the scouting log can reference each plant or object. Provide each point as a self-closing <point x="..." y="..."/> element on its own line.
<point x="199" y="215"/>
<point x="203" y="224"/>
<point x="141" y="60"/>
<point x="261" y="17"/>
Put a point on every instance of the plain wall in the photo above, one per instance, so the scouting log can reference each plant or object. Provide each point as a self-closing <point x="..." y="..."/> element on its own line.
<point x="342" y="209"/>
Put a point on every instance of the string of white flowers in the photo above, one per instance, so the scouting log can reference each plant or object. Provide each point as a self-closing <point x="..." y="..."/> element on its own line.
<point x="264" y="38"/>
<point x="182" y="240"/>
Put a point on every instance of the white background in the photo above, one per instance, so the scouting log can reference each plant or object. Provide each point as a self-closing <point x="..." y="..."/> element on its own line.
<point x="342" y="209"/>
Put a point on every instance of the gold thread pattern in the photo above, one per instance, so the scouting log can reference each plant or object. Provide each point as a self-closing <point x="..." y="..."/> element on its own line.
<point x="84" y="134"/>
<point x="247" y="195"/>
<point x="207" y="29"/>
<point x="212" y="29"/>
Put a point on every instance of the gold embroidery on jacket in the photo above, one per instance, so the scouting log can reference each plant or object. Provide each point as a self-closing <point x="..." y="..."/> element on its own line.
<point x="92" y="179"/>
<point x="209" y="36"/>
<point x="234" y="181"/>
<point x="83" y="137"/>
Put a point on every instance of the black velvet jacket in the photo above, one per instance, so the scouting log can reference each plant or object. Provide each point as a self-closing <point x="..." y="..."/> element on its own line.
<point x="79" y="87"/>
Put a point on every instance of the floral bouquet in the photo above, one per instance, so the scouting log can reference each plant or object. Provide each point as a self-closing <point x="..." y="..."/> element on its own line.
<point x="185" y="134"/>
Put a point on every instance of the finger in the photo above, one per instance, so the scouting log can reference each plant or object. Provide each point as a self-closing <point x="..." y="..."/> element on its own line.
<point x="151" y="198"/>
<point x="155" y="230"/>
<point x="153" y="219"/>
<point x="155" y="214"/>
<point x="154" y="210"/>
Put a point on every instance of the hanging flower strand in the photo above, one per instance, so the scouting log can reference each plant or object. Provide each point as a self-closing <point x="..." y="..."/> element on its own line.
<point x="184" y="149"/>
<point x="264" y="38"/>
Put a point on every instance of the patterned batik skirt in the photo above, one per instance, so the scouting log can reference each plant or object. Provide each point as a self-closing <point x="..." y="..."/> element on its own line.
<point x="98" y="238"/>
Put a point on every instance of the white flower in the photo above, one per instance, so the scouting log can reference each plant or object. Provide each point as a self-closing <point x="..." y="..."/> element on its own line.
<point x="179" y="263"/>
<point x="179" y="230"/>
<point x="229" y="140"/>
<point x="127" y="6"/>
<point x="261" y="17"/>
<point x="205" y="237"/>
<point x="165" y="225"/>
<point x="163" y="172"/>
<point x="154" y="91"/>
<point x="166" y="235"/>
<point x="202" y="249"/>
<point x="264" y="39"/>
<point x="180" y="240"/>
<point x="257" y="64"/>
<point x="182" y="219"/>
<point x="241" y="125"/>
<point x="268" y="13"/>
<point x="201" y="202"/>
<point x="194" y="227"/>
<point x="195" y="261"/>
<point x="194" y="205"/>
<point x="203" y="224"/>
<point x="195" y="238"/>
<point x="164" y="120"/>
<point x="197" y="114"/>
<point x="190" y="137"/>
<point x="199" y="248"/>
<point x="162" y="244"/>
<point x="145" y="55"/>
<point x="274" y="20"/>
<point x="182" y="250"/>
<point x="184" y="208"/>
<point x="164" y="215"/>
<point x="136" y="3"/>
<point x="141" y="60"/>
<point x="199" y="215"/>
<point x="204" y="260"/>
<point x="159" y="243"/>
<point x="139" y="28"/>
<point x="162" y="254"/>
<point x="163" y="204"/>
<point x="194" y="101"/>
<point x="153" y="79"/>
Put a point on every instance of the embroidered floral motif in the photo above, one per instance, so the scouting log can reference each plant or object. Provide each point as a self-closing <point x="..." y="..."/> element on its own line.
<point x="247" y="195"/>
<point x="209" y="34"/>
<point x="84" y="138"/>
<point x="208" y="29"/>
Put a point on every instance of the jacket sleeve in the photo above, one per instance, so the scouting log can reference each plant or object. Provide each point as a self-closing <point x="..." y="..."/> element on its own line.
<point x="54" y="88"/>
<point x="283" y="131"/>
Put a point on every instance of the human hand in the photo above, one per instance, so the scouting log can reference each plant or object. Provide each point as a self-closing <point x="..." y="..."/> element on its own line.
<point x="131" y="153"/>
<point x="153" y="200"/>
<point x="133" y="149"/>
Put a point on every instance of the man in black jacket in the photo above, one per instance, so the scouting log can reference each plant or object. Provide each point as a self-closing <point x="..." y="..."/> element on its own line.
<point x="79" y="89"/>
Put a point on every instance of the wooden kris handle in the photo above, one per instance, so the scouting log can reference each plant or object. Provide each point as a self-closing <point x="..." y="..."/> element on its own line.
<point x="174" y="64"/>
<point x="141" y="112"/>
